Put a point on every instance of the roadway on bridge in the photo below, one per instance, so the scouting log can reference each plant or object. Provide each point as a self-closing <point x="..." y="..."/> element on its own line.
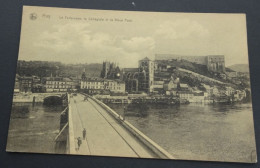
<point x="105" y="135"/>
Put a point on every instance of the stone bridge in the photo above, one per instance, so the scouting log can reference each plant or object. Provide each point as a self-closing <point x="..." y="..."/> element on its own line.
<point x="34" y="97"/>
<point x="107" y="133"/>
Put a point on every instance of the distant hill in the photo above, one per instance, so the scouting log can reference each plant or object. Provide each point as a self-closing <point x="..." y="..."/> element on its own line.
<point x="44" y="69"/>
<point x="239" y="67"/>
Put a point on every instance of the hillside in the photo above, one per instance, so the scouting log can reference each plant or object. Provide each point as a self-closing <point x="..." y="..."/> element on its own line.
<point x="198" y="68"/>
<point x="45" y="69"/>
<point x="239" y="67"/>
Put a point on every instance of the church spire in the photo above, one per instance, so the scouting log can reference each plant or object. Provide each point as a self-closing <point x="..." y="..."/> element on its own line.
<point x="83" y="76"/>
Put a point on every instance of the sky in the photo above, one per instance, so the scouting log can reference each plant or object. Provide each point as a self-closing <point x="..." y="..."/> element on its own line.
<point x="93" y="36"/>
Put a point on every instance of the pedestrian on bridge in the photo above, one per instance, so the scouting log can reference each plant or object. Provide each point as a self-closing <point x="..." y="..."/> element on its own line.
<point x="79" y="142"/>
<point x="84" y="133"/>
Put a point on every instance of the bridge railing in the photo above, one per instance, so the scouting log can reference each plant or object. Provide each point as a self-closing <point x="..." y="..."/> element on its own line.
<point x="70" y="139"/>
<point x="154" y="147"/>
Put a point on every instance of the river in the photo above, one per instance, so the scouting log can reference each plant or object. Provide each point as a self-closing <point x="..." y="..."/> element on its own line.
<point x="198" y="131"/>
<point x="192" y="131"/>
<point x="34" y="128"/>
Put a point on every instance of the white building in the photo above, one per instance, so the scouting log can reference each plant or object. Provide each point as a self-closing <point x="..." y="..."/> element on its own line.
<point x="95" y="84"/>
<point x="229" y="91"/>
<point x="58" y="84"/>
<point x="198" y="97"/>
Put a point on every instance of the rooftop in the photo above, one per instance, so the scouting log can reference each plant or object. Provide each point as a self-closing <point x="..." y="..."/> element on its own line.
<point x="103" y="80"/>
<point x="130" y="69"/>
<point x="184" y="85"/>
<point x="57" y="79"/>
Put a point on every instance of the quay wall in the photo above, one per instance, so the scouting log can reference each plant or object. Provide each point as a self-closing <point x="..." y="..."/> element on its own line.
<point x="28" y="97"/>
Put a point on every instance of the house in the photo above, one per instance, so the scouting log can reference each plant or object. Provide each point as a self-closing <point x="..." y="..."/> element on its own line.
<point x="158" y="85"/>
<point x="185" y="96"/>
<point x="215" y="91"/>
<point x="99" y="85"/>
<point x="239" y="95"/>
<point x="198" y="97"/>
<point x="208" y="89"/>
<point x="58" y="84"/>
<point x="170" y="85"/>
<point x="171" y="92"/>
<point x="17" y="84"/>
<point x="25" y="84"/>
<point x="184" y="87"/>
<point x="229" y="91"/>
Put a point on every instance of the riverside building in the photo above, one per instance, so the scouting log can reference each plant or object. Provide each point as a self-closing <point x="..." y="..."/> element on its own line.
<point x="99" y="85"/>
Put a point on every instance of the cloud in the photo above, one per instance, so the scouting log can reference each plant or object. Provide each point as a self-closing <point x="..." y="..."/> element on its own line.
<point x="139" y="43"/>
<point x="62" y="38"/>
<point x="77" y="44"/>
<point x="181" y="29"/>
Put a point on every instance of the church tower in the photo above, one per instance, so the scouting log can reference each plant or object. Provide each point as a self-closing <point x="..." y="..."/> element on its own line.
<point x="146" y="70"/>
<point x="83" y="79"/>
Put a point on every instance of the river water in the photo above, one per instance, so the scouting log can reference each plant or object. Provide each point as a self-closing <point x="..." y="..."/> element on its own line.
<point x="193" y="131"/>
<point x="34" y="128"/>
<point x="198" y="131"/>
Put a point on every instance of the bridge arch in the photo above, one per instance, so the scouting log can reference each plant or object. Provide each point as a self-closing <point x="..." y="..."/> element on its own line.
<point x="53" y="100"/>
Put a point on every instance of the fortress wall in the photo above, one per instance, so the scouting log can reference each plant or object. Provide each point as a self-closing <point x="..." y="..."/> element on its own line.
<point x="195" y="59"/>
<point x="215" y="63"/>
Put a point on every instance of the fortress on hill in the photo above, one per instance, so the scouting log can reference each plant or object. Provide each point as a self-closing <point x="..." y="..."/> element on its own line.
<point x="214" y="63"/>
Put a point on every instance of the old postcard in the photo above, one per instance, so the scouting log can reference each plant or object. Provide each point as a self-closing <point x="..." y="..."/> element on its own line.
<point x="133" y="84"/>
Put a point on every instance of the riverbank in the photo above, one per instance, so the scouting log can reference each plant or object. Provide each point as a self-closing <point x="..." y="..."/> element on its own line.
<point x="162" y="99"/>
<point x="32" y="97"/>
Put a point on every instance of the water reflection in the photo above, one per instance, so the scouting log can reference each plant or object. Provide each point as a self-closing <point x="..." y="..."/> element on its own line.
<point x="53" y="109"/>
<point x="139" y="110"/>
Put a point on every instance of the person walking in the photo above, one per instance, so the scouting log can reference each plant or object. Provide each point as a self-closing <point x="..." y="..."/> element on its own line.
<point x="84" y="133"/>
<point x="79" y="142"/>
